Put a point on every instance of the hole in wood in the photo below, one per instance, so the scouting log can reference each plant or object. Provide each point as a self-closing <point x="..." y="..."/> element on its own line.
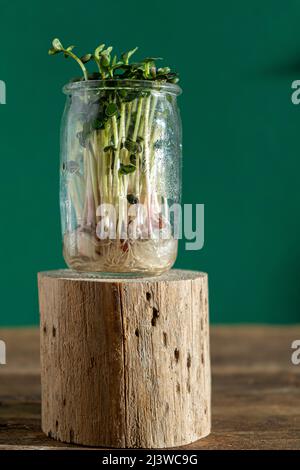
<point x="148" y="296"/>
<point x="45" y="329"/>
<point x="56" y="424"/>
<point x="71" y="435"/>
<point x="53" y="332"/>
<point x="165" y="339"/>
<point x="176" y="354"/>
<point x="178" y="387"/>
<point x="64" y="402"/>
<point x="137" y="333"/>
<point x="188" y="361"/>
<point x="155" y="316"/>
<point x="188" y="386"/>
<point x="202" y="358"/>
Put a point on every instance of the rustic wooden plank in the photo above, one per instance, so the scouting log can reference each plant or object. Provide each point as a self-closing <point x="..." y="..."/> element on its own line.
<point x="256" y="399"/>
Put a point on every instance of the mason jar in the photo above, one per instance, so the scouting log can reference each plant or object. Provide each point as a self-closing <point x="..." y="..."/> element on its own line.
<point x="120" y="176"/>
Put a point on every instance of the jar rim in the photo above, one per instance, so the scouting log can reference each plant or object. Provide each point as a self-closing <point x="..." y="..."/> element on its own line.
<point x="158" y="86"/>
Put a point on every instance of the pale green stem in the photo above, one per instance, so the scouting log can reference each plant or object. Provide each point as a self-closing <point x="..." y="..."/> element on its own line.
<point x="123" y="180"/>
<point x="134" y="137"/>
<point x="152" y="132"/>
<point x="147" y="162"/>
<point x="128" y="118"/>
<point x="93" y="173"/>
<point x="116" y="162"/>
<point x="153" y="107"/>
<point x="81" y="65"/>
<point x="138" y="118"/>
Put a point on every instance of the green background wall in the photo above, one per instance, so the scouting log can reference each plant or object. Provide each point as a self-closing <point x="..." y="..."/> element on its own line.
<point x="241" y="140"/>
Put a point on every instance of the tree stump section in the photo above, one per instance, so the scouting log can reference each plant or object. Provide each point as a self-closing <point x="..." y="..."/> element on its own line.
<point x="125" y="361"/>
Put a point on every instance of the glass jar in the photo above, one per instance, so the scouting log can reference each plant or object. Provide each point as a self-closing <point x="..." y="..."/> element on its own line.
<point x="120" y="176"/>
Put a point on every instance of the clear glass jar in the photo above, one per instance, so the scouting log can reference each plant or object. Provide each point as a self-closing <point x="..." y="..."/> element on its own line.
<point x="120" y="176"/>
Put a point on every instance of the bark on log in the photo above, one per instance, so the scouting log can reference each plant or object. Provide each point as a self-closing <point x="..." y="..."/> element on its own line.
<point x="125" y="361"/>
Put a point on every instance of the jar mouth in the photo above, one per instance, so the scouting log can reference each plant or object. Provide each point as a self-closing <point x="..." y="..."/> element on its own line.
<point x="156" y="86"/>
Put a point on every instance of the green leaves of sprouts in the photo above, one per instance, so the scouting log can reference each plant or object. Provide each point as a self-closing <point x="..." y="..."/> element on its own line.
<point x="109" y="105"/>
<point x="57" y="48"/>
<point x="86" y="58"/>
<point x="105" y="57"/>
<point x="98" y="50"/>
<point x="126" y="55"/>
<point x="111" y="110"/>
<point x="132" y="147"/>
<point x="114" y="68"/>
<point x="126" y="169"/>
<point x="102" y="57"/>
<point x="106" y="110"/>
<point x="133" y="159"/>
<point x="97" y="124"/>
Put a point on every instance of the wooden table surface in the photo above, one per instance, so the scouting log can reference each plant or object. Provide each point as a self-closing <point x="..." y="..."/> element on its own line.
<point x="256" y="391"/>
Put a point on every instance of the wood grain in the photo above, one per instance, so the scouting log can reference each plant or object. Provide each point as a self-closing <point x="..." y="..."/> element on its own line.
<point x="255" y="391"/>
<point x="125" y="362"/>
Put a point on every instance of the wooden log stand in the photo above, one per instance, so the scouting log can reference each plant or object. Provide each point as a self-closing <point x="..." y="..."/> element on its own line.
<point x="125" y="361"/>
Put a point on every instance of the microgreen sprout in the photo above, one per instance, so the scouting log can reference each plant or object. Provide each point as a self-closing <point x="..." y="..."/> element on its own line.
<point x="58" y="48"/>
<point x="112" y="158"/>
